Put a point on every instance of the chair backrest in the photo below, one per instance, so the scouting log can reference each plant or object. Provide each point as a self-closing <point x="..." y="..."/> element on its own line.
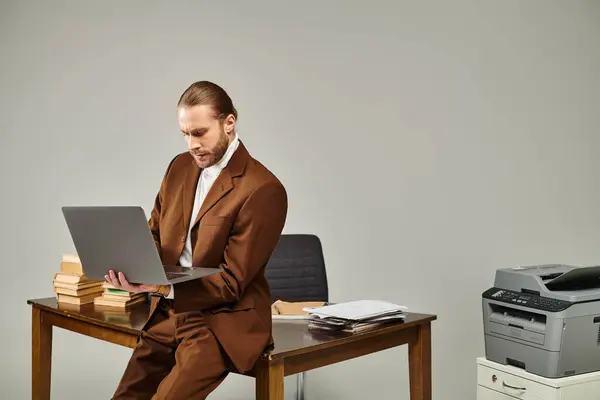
<point x="296" y="269"/>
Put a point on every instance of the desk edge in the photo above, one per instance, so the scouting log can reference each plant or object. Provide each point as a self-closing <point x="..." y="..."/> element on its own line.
<point x="67" y="314"/>
<point x="425" y="320"/>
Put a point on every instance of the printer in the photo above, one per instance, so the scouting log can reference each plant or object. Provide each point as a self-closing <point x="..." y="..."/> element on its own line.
<point x="544" y="319"/>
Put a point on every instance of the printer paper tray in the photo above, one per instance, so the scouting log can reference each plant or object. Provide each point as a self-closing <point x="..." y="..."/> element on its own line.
<point x="576" y="279"/>
<point x="516" y="333"/>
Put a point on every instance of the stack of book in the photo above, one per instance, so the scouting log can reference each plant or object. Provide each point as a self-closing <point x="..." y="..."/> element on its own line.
<point x="354" y="316"/>
<point x="72" y="285"/>
<point x="118" y="298"/>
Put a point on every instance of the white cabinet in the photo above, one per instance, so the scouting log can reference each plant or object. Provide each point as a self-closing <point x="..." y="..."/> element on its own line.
<point x="503" y="382"/>
<point x="489" y="394"/>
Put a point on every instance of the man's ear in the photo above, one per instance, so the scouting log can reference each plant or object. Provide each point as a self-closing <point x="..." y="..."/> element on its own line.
<point x="229" y="124"/>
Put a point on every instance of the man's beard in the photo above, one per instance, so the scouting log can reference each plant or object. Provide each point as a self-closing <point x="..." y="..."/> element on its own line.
<point x="217" y="153"/>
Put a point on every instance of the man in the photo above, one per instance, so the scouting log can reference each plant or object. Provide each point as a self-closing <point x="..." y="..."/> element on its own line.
<point x="216" y="207"/>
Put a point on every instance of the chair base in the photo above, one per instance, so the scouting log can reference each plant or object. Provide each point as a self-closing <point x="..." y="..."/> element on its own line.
<point x="300" y="385"/>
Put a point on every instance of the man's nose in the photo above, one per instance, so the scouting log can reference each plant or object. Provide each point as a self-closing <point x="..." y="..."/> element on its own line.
<point x="193" y="143"/>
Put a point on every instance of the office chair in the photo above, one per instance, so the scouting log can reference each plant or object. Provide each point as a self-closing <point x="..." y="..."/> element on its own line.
<point x="296" y="272"/>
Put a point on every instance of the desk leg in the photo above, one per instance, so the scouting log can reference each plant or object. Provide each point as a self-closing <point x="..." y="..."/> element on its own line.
<point x="269" y="380"/>
<point x="41" y="348"/>
<point x="419" y="358"/>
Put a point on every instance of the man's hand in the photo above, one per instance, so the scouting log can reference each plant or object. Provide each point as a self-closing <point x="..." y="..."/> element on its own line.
<point x="119" y="281"/>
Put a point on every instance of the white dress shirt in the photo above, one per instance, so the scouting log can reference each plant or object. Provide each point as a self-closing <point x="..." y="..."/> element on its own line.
<point x="205" y="182"/>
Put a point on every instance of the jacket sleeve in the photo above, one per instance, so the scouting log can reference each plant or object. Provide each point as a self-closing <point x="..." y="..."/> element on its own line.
<point x="154" y="221"/>
<point x="255" y="234"/>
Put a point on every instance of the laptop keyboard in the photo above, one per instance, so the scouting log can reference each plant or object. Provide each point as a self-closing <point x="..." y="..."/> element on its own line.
<point x="173" y="275"/>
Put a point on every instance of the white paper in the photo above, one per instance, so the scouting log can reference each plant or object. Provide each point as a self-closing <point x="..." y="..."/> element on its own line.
<point x="278" y="316"/>
<point x="357" y="310"/>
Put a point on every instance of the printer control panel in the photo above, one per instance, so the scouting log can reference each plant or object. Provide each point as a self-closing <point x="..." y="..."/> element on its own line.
<point x="527" y="300"/>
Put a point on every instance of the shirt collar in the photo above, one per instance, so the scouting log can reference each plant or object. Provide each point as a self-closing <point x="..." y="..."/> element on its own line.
<point x="222" y="163"/>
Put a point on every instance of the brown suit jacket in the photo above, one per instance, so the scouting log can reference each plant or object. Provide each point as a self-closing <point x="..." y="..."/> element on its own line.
<point x="236" y="229"/>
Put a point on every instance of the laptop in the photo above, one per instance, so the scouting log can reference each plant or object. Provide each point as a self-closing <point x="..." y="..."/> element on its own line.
<point x="119" y="238"/>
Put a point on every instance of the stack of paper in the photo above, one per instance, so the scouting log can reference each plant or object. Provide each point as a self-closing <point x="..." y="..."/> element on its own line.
<point x="354" y="316"/>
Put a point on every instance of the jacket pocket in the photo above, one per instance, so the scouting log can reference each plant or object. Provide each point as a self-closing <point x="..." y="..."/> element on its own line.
<point x="214" y="220"/>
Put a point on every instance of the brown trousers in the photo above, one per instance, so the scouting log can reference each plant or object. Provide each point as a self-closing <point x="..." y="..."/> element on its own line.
<point x="177" y="357"/>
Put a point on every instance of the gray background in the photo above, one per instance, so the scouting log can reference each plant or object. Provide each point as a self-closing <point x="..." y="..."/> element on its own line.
<point x="426" y="143"/>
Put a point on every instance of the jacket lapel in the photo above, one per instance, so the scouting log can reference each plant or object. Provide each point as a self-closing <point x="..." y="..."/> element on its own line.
<point x="220" y="187"/>
<point x="189" y="193"/>
<point x="223" y="184"/>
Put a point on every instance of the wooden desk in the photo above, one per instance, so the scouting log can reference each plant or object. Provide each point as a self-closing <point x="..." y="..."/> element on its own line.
<point x="297" y="348"/>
